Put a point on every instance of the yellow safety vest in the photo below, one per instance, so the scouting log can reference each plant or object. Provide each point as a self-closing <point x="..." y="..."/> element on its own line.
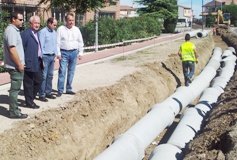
<point x="187" y="52"/>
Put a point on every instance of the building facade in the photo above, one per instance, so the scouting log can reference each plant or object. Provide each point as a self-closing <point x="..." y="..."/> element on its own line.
<point x="31" y="7"/>
<point x="127" y="11"/>
<point x="185" y="12"/>
<point x="112" y="11"/>
<point x="26" y="7"/>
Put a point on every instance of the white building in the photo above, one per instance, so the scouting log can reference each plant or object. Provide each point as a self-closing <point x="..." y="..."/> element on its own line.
<point x="185" y="12"/>
<point x="127" y="11"/>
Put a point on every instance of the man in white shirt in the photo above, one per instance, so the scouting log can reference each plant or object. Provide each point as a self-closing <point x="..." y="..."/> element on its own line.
<point x="70" y="46"/>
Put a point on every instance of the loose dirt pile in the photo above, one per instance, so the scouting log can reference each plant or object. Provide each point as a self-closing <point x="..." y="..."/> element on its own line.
<point x="89" y="123"/>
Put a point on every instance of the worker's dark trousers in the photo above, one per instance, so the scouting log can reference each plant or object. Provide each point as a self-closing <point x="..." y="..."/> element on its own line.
<point x="188" y="71"/>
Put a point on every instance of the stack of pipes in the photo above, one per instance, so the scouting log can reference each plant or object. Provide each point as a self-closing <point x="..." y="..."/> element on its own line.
<point x="192" y="118"/>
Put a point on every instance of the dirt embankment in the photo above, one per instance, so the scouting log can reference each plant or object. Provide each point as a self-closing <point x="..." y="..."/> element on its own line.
<point x="218" y="137"/>
<point x="84" y="127"/>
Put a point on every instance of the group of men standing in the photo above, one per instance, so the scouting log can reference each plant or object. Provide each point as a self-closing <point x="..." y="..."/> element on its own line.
<point x="29" y="57"/>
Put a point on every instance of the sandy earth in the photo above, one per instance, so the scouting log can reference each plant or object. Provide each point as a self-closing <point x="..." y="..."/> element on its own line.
<point x="111" y="96"/>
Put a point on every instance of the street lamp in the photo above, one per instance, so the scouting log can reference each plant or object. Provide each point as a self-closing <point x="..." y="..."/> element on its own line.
<point x="191" y="15"/>
<point x="202" y="16"/>
<point x="96" y="29"/>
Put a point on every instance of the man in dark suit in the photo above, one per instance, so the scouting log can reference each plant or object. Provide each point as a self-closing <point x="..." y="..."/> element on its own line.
<point x="33" y="62"/>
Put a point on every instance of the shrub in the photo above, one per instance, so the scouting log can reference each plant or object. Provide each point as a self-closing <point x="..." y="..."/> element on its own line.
<point x="170" y="24"/>
<point x="210" y="21"/>
<point x="3" y="25"/>
<point x="113" y="31"/>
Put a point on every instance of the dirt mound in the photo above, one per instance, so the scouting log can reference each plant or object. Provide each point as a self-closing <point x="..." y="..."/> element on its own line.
<point x="228" y="36"/>
<point x="89" y="123"/>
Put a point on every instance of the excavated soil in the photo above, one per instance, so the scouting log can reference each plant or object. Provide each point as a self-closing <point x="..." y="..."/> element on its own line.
<point x="84" y="127"/>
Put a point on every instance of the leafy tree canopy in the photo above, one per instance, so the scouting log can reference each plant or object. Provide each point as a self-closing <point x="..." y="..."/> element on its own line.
<point x="81" y="6"/>
<point x="166" y="9"/>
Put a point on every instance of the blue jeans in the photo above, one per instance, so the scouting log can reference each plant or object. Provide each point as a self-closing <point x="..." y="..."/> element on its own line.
<point x="67" y="67"/>
<point x="188" y="71"/>
<point x="46" y="85"/>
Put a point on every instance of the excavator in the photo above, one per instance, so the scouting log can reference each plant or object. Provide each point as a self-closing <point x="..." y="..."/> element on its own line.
<point x="223" y="18"/>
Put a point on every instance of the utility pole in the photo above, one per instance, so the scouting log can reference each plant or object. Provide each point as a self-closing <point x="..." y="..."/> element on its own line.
<point x="191" y="14"/>
<point x="202" y="16"/>
<point x="96" y="29"/>
<point x="221" y="4"/>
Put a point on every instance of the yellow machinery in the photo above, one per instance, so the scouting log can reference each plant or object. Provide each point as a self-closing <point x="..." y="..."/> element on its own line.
<point x="223" y="18"/>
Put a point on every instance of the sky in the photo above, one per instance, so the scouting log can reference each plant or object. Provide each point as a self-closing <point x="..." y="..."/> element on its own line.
<point x="196" y="5"/>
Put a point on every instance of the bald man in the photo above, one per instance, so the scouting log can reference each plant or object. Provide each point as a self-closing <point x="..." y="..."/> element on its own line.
<point x="33" y="62"/>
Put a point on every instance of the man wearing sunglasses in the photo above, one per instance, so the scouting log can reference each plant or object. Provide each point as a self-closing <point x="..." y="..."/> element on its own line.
<point x="14" y="62"/>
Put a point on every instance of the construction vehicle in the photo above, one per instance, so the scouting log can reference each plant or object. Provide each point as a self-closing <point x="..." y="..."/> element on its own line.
<point x="223" y="18"/>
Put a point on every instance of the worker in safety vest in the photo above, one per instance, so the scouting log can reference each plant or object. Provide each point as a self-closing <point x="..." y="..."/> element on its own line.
<point x="188" y="55"/>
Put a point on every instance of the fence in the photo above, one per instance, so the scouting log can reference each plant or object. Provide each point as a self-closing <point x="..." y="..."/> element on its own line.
<point x="126" y="42"/>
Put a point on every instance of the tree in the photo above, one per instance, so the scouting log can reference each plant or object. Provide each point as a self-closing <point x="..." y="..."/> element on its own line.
<point x="163" y="9"/>
<point x="3" y="18"/>
<point x="210" y="20"/>
<point x="80" y="6"/>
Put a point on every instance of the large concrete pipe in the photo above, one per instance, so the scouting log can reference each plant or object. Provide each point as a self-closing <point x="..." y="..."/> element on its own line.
<point x="187" y="128"/>
<point x="229" y="60"/>
<point x="128" y="145"/>
<point x="227" y="69"/>
<point x="203" y="80"/>
<point x="160" y="117"/>
<point x="144" y="131"/>
<point x="152" y="124"/>
<point x="209" y="97"/>
<point x="211" y="94"/>
<point x="232" y="49"/>
<point x="194" y="33"/>
<point x="216" y="56"/>
<point x="160" y="152"/>
<point x="202" y="34"/>
<point x="227" y="53"/>
<point x="192" y="119"/>
<point x="219" y="82"/>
